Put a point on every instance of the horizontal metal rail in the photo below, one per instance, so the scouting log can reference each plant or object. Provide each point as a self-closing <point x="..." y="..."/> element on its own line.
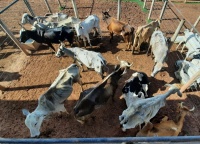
<point x="8" y="6"/>
<point x="103" y="140"/>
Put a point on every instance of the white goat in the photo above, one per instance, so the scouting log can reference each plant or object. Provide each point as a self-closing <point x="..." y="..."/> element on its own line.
<point x="159" y="46"/>
<point x="186" y="70"/>
<point x="192" y="42"/>
<point x="90" y="59"/>
<point x="84" y="28"/>
<point x="53" y="100"/>
<point x="144" y="109"/>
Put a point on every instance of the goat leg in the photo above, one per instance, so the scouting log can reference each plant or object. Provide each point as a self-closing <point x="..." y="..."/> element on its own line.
<point x="51" y="46"/>
<point x="111" y="36"/>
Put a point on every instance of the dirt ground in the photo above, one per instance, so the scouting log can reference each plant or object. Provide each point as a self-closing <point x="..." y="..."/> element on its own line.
<point x="28" y="77"/>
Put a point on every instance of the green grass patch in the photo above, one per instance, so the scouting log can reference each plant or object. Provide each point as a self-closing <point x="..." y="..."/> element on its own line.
<point x="140" y="3"/>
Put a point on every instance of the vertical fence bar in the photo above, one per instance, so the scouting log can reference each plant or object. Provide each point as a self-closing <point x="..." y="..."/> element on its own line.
<point x="163" y="10"/>
<point x="12" y="37"/>
<point x="144" y="5"/>
<point x="75" y="9"/>
<point x="29" y="8"/>
<point x="59" y="3"/>
<point x="47" y="4"/>
<point x="195" y="24"/>
<point x="119" y="10"/>
<point x="152" y="3"/>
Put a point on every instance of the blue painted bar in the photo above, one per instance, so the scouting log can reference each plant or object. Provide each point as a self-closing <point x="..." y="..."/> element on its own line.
<point x="103" y="140"/>
<point x="8" y="6"/>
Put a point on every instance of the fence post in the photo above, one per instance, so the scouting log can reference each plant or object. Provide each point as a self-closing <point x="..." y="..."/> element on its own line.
<point x="12" y="37"/>
<point x="29" y="8"/>
<point x="118" y="9"/>
<point x="195" y="24"/>
<point x="75" y="9"/>
<point x="144" y="3"/>
<point x="59" y="3"/>
<point x="152" y="3"/>
<point x="47" y="4"/>
<point x="177" y="30"/>
<point x="163" y="9"/>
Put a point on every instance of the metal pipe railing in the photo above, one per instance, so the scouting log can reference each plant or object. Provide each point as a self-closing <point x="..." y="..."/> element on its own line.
<point x="103" y="140"/>
<point x="8" y="6"/>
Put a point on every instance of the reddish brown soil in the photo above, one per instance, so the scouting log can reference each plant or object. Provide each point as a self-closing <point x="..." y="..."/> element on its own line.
<point x="28" y="77"/>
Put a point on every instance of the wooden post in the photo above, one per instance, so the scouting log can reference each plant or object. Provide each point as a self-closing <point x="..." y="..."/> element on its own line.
<point x="75" y="9"/>
<point x="29" y="8"/>
<point x="191" y="81"/>
<point x="144" y="3"/>
<point x="152" y="3"/>
<point x="177" y="30"/>
<point x="59" y="3"/>
<point x="119" y="10"/>
<point x="12" y="37"/>
<point x="163" y="10"/>
<point x="47" y="4"/>
<point x="195" y="24"/>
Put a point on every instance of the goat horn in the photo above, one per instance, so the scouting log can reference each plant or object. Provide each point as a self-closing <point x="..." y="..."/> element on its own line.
<point x="130" y="64"/>
<point x="192" y="109"/>
<point x="118" y="58"/>
<point x="181" y="104"/>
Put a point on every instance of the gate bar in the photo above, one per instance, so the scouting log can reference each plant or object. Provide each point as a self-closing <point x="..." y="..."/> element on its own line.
<point x="59" y="3"/>
<point x="29" y="8"/>
<point x="12" y="37"/>
<point x="103" y="139"/>
<point x="195" y="24"/>
<point x="152" y="3"/>
<point x="8" y="6"/>
<point x="75" y="9"/>
<point x="177" y="30"/>
<point x="47" y="4"/>
<point x="119" y="10"/>
<point x="163" y="10"/>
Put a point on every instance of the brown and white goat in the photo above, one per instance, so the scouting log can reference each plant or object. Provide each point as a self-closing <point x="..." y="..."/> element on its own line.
<point x="143" y="34"/>
<point x="119" y="28"/>
<point x="166" y="127"/>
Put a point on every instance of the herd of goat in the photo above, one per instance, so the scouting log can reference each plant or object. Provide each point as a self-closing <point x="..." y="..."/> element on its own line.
<point x="141" y="108"/>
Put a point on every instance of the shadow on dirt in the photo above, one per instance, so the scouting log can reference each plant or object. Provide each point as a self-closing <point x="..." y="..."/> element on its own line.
<point x="27" y="87"/>
<point x="7" y="54"/>
<point x="9" y="76"/>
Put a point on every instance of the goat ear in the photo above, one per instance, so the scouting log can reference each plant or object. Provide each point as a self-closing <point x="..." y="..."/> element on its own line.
<point x="25" y="112"/>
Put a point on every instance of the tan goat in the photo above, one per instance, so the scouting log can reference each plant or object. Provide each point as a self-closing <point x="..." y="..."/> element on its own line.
<point x="143" y="34"/>
<point x="119" y="28"/>
<point x="166" y="127"/>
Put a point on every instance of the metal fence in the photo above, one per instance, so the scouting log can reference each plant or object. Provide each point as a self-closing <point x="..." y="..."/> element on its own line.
<point x="170" y="15"/>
